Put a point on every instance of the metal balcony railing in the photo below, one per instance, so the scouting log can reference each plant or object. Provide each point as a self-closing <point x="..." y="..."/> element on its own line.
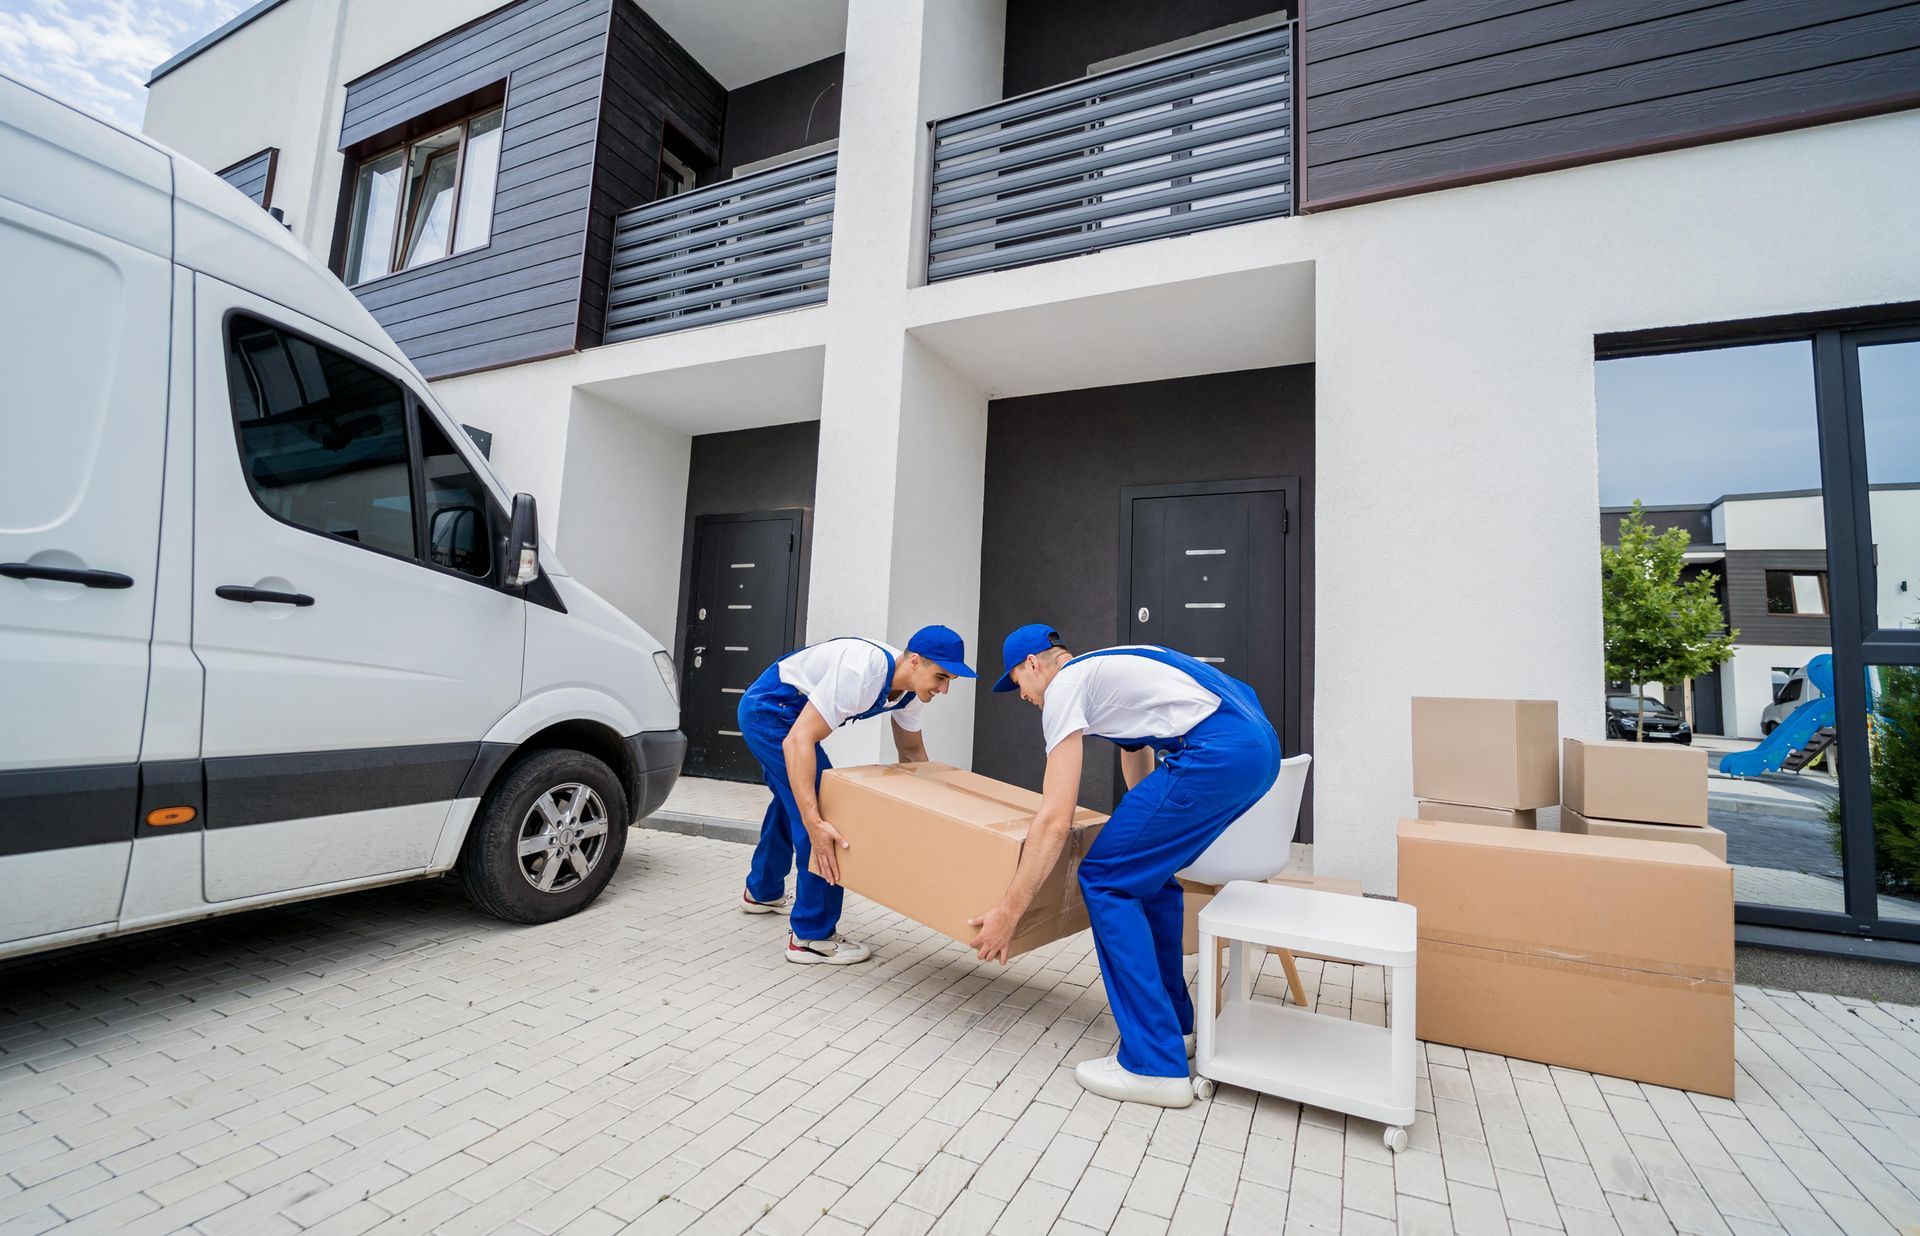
<point x="1196" y="140"/>
<point x="738" y="249"/>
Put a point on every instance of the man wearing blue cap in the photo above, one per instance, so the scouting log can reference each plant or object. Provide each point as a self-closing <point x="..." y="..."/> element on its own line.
<point x="784" y="716"/>
<point x="1220" y="755"/>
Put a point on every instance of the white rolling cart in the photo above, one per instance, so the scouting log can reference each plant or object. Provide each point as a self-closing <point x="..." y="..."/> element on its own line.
<point x="1343" y="1066"/>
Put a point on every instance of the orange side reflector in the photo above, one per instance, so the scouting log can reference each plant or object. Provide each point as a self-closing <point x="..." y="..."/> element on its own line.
<point x="159" y="817"/>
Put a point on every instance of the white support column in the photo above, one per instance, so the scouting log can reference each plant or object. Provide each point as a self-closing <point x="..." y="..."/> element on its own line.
<point x="902" y="437"/>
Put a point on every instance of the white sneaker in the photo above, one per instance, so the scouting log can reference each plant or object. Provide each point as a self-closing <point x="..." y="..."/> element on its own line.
<point x="779" y="905"/>
<point x="838" y="951"/>
<point x="1107" y="1079"/>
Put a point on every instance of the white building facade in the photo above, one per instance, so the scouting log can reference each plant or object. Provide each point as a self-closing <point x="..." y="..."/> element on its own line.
<point x="1422" y="339"/>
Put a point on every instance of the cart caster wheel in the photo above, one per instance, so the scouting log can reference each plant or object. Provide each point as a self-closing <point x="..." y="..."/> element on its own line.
<point x="1395" y="1138"/>
<point x="1203" y="1088"/>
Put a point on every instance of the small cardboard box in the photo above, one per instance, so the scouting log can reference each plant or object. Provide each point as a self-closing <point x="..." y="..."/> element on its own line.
<point x="1707" y="837"/>
<point x="1597" y="953"/>
<point x="1491" y="753"/>
<point x="1198" y="895"/>
<point x="1492" y="817"/>
<point x="1653" y="783"/>
<point x="940" y="844"/>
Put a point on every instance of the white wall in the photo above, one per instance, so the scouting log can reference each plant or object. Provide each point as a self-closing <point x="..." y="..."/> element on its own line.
<point x="1746" y="682"/>
<point x="623" y="505"/>
<point x="1457" y="465"/>
<point x="1774" y="523"/>
<point x="1896" y="534"/>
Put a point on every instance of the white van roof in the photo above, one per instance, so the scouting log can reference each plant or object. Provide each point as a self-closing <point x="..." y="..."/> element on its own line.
<point x="99" y="174"/>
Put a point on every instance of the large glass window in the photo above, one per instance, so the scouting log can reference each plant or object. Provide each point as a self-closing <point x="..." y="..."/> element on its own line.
<point x="426" y="200"/>
<point x="323" y="439"/>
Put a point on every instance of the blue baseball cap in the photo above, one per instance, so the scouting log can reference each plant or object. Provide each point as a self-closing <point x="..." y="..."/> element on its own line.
<point x="943" y="647"/>
<point x="1035" y="637"/>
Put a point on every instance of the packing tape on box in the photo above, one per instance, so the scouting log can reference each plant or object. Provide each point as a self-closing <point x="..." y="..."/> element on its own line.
<point x="1651" y="968"/>
<point x="1582" y="965"/>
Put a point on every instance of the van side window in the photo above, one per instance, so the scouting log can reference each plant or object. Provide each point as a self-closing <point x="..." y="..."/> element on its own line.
<point x="458" y="536"/>
<point x="323" y="439"/>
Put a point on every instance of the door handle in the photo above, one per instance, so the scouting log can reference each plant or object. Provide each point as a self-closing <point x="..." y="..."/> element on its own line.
<point x="64" y="575"/>
<point x="232" y="592"/>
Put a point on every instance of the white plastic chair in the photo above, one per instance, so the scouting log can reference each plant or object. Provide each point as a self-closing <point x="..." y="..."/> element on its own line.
<point x="1259" y="843"/>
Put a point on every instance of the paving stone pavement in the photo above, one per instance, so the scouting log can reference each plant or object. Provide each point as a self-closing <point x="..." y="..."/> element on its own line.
<point x="392" y="1062"/>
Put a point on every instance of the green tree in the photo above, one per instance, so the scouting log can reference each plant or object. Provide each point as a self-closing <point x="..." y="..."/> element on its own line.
<point x="1893" y="756"/>
<point x="1659" y="628"/>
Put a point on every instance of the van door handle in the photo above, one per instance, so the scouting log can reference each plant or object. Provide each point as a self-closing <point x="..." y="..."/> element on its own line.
<point x="233" y="592"/>
<point x="64" y="575"/>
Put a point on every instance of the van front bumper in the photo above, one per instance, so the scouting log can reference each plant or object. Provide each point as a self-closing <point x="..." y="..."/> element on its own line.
<point x="657" y="756"/>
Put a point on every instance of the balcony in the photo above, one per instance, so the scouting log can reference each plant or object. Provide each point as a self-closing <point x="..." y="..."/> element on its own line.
<point x="752" y="245"/>
<point x="1192" y="141"/>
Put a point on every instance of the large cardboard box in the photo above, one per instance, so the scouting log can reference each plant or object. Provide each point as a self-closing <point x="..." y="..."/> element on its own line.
<point x="1707" y="837"/>
<point x="1655" y="783"/>
<point x="1198" y="895"/>
<point x="1491" y="753"/>
<point x="940" y="844"/>
<point x="1492" y="817"/>
<point x="1598" y="953"/>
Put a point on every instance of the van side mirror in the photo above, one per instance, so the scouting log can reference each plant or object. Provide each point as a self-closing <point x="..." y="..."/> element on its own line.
<point x="520" y="555"/>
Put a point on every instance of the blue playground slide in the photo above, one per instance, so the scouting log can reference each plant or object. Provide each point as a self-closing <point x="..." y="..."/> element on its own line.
<point x="1807" y="731"/>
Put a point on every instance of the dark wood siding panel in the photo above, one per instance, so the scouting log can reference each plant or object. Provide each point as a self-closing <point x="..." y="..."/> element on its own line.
<point x="1437" y="92"/>
<point x="650" y="79"/>
<point x="508" y="300"/>
<point x="253" y="176"/>
<point x="1746" y="592"/>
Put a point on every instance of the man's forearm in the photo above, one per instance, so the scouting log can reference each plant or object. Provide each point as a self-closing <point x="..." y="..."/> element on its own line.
<point x="1045" y="839"/>
<point x="802" y="769"/>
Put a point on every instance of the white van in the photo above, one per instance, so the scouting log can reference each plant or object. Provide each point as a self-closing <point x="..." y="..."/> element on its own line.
<point x="269" y="628"/>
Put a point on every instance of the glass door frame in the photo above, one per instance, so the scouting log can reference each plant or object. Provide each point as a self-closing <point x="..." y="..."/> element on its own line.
<point x="1856" y="638"/>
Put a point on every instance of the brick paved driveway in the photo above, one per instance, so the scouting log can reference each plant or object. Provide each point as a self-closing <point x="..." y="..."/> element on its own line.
<point x="392" y="1062"/>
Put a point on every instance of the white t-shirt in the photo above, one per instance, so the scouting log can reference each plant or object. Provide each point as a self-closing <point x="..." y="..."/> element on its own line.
<point x="1123" y="697"/>
<point x="842" y="677"/>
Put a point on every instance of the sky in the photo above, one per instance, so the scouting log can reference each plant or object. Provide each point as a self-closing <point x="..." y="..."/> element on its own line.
<point x="1688" y="427"/>
<point x="98" y="54"/>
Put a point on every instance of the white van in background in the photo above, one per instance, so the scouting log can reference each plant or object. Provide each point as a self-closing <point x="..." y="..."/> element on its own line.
<point x="269" y="628"/>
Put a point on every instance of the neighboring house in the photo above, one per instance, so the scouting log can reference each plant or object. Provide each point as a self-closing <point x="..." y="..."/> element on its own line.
<point x="1768" y="554"/>
<point x="1264" y="330"/>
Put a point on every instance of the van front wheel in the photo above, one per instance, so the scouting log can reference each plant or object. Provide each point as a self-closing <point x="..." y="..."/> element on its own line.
<point x="546" y="838"/>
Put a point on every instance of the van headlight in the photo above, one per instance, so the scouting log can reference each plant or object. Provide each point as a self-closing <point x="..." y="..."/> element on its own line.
<point x="663" y="661"/>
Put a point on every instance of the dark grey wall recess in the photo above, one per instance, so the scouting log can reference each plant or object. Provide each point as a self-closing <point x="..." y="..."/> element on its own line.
<point x="1409" y="96"/>
<point x="652" y="82"/>
<point x="589" y="85"/>
<point x="1745" y="573"/>
<point x="253" y="175"/>
<point x="787" y="111"/>
<point x="1052" y="41"/>
<point x="764" y="469"/>
<point x="1051" y="535"/>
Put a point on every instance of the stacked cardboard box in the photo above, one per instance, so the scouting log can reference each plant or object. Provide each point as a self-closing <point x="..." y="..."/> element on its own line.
<point x="1641" y="791"/>
<point x="940" y="844"/>
<point x="1490" y="762"/>
<point x="1604" y="954"/>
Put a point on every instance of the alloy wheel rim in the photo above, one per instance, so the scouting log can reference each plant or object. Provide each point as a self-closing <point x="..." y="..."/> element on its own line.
<point x="562" y="837"/>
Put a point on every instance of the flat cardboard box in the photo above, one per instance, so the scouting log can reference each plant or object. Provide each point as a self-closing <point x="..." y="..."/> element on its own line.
<point x="1492" y="817"/>
<point x="1605" y="954"/>
<point x="1653" y="783"/>
<point x="1490" y="753"/>
<point x="940" y="844"/>
<point x="1708" y="838"/>
<point x="1198" y="895"/>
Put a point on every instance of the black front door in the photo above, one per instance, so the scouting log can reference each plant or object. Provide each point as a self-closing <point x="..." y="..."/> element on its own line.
<point x="1207" y="570"/>
<point x="740" y="619"/>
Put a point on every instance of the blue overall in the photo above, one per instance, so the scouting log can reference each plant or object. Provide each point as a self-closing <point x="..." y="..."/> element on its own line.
<point x="1206" y="780"/>
<point x="767" y="713"/>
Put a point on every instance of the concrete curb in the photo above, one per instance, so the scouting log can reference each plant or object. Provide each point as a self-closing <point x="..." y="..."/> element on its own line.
<point x="738" y="831"/>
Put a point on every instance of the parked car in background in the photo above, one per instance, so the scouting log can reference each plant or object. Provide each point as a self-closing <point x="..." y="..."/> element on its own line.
<point x="1639" y="717"/>
<point x="1789" y="695"/>
<point x="270" y="628"/>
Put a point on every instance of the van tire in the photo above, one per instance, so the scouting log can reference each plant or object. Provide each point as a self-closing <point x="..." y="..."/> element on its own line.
<point x="490" y="865"/>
